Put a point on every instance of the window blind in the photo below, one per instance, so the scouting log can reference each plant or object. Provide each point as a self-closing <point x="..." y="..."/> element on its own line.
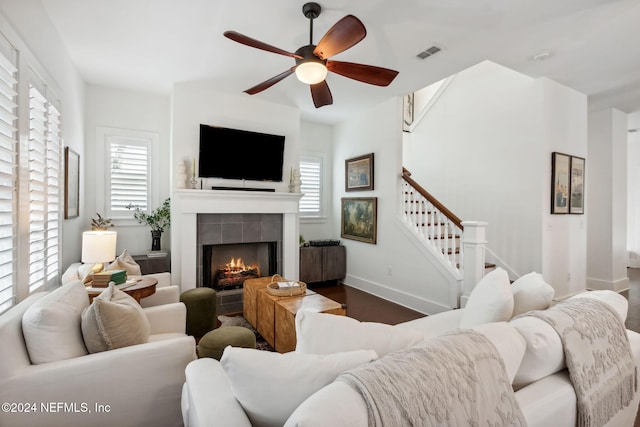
<point x="44" y="187"/>
<point x="129" y="172"/>
<point x="310" y="175"/>
<point x="8" y="173"/>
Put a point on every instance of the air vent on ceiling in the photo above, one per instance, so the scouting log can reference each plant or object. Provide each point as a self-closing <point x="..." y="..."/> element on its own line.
<point x="634" y="130"/>
<point x="428" y="52"/>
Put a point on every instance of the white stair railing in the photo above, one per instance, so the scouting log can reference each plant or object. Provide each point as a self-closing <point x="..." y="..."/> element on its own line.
<point x="435" y="225"/>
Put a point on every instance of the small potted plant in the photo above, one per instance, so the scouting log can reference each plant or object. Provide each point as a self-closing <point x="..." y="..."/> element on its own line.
<point x="100" y="223"/>
<point x="158" y="220"/>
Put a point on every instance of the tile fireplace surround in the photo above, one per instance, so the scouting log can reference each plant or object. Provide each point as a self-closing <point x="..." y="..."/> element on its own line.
<point x="187" y="204"/>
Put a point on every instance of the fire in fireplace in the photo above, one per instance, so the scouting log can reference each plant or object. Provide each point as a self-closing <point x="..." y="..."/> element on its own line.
<point x="233" y="274"/>
<point x="227" y="266"/>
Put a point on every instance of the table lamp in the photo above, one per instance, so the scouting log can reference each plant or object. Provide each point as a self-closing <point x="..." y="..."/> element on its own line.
<point x="98" y="247"/>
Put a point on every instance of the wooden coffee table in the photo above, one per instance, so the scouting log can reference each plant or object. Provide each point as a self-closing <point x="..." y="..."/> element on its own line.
<point x="285" y="314"/>
<point x="143" y="288"/>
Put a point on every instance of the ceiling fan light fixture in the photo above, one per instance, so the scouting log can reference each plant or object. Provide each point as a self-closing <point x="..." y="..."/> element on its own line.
<point x="311" y="72"/>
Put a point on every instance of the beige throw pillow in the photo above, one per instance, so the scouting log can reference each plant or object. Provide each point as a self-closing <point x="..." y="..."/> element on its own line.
<point x="113" y="320"/>
<point x="127" y="263"/>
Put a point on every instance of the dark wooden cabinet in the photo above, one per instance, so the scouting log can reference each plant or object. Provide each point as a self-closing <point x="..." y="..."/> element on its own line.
<point x="150" y="265"/>
<point x="322" y="263"/>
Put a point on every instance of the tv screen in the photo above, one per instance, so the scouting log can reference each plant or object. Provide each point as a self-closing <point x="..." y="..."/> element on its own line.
<point x="240" y="154"/>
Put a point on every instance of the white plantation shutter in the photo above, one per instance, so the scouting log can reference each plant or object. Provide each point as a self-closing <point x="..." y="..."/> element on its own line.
<point x="44" y="187"/>
<point x="8" y="173"/>
<point x="128" y="173"/>
<point x="311" y="177"/>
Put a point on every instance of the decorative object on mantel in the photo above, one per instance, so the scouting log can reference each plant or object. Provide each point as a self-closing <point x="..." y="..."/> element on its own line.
<point x="100" y="223"/>
<point x="158" y="220"/>
<point x="181" y="175"/>
<point x="294" y="181"/>
<point x="194" y="180"/>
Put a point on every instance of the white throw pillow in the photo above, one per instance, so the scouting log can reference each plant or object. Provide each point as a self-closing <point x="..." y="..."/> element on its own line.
<point x="127" y="263"/>
<point x="51" y="326"/>
<point x="616" y="301"/>
<point x="269" y="386"/>
<point x="544" y="355"/>
<point x="508" y="342"/>
<point x="322" y="333"/>
<point x="531" y="292"/>
<point x="490" y="301"/>
<point x="114" y="320"/>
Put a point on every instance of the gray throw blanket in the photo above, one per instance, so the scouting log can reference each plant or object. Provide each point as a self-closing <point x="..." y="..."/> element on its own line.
<point x="459" y="379"/>
<point x="598" y="356"/>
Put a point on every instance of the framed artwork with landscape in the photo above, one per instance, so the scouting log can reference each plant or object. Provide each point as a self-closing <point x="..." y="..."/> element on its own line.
<point x="560" y="164"/>
<point x="359" y="173"/>
<point x="576" y="202"/>
<point x="359" y="219"/>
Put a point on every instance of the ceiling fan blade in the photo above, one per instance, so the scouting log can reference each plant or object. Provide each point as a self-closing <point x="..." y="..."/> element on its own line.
<point x="241" y="38"/>
<point x="364" y="73"/>
<point x="345" y="33"/>
<point x="268" y="83"/>
<point x="321" y="94"/>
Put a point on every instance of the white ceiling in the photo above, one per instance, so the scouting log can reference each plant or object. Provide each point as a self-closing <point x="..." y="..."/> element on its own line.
<point x="148" y="45"/>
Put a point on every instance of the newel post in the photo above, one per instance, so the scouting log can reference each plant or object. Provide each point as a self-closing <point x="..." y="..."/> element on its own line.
<point x="474" y="243"/>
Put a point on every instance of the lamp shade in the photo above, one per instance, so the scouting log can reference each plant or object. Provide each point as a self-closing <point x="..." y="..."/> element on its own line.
<point x="98" y="246"/>
<point x="311" y="72"/>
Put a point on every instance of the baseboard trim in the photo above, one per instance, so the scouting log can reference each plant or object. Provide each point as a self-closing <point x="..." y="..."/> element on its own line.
<point x="404" y="299"/>
<point x="616" y="285"/>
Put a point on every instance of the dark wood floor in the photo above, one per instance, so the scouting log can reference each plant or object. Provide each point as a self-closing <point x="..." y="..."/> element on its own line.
<point x="368" y="308"/>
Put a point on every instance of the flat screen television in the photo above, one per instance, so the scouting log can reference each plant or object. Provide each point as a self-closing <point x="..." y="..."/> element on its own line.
<point x="240" y="154"/>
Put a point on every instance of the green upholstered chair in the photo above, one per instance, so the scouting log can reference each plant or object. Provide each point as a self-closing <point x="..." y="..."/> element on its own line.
<point x="201" y="310"/>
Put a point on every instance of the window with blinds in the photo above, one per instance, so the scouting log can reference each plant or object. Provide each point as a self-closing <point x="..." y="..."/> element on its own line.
<point x="311" y="177"/>
<point x="8" y="173"/>
<point x="44" y="186"/>
<point x="128" y="175"/>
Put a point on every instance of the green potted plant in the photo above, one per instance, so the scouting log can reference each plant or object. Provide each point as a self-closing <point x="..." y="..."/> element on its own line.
<point x="158" y="220"/>
<point x="100" y="223"/>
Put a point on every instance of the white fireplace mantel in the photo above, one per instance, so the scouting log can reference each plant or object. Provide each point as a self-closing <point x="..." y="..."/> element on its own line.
<point x="187" y="204"/>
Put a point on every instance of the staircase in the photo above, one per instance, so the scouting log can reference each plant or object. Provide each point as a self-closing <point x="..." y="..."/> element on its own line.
<point x="435" y="225"/>
<point x="458" y="245"/>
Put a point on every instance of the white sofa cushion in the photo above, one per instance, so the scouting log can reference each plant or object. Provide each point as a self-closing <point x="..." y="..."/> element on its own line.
<point x="322" y="333"/>
<point x="531" y="292"/>
<point x="616" y="301"/>
<point x="544" y="355"/>
<point x="339" y="405"/>
<point x="490" y="301"/>
<point x="269" y="386"/>
<point x="114" y="320"/>
<point x="51" y="326"/>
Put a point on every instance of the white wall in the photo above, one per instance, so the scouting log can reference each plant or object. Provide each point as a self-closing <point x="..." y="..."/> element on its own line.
<point x="29" y="29"/>
<point x="415" y="281"/>
<point x="607" y="194"/>
<point x="484" y="150"/>
<point x="194" y="103"/>
<point x="113" y="108"/>
<point x="633" y="192"/>
<point x="317" y="140"/>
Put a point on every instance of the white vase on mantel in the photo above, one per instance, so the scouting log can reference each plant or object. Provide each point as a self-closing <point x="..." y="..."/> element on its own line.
<point x="297" y="182"/>
<point x="181" y="174"/>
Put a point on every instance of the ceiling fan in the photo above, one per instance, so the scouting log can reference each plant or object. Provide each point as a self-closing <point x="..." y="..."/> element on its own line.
<point x="312" y="63"/>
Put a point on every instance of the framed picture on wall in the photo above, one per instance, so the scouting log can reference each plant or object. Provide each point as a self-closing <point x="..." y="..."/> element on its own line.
<point x="407" y="112"/>
<point x="359" y="173"/>
<point x="359" y="219"/>
<point x="560" y="165"/>
<point x="71" y="183"/>
<point x="576" y="201"/>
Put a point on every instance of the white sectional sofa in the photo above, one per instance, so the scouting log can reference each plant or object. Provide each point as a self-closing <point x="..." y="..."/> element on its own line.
<point x="48" y="378"/>
<point x="214" y="393"/>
